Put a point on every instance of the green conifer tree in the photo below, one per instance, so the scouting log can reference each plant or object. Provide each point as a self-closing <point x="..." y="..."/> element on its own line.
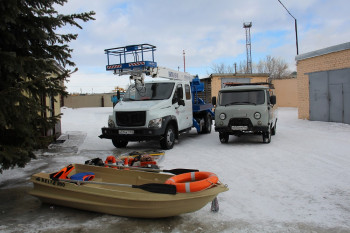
<point x="31" y="50"/>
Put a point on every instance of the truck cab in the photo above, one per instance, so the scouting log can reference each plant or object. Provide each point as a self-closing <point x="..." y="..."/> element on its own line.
<point x="157" y="110"/>
<point x="245" y="109"/>
<point x="154" y="110"/>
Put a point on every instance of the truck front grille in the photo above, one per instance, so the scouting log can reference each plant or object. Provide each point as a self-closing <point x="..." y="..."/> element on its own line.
<point x="131" y="118"/>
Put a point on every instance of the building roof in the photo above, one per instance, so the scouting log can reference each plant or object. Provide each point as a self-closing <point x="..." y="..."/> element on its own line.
<point x="320" y="52"/>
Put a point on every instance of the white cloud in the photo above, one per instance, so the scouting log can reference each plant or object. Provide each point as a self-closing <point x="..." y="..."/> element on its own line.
<point x="207" y="30"/>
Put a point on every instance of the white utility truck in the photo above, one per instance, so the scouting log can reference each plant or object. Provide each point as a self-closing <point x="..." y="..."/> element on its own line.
<point x="158" y="109"/>
<point x="245" y="109"/>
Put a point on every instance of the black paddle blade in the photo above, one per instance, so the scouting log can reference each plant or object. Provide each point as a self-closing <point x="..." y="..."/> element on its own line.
<point x="157" y="188"/>
<point x="178" y="171"/>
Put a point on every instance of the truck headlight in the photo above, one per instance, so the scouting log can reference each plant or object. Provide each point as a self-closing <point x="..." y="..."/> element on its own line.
<point x="222" y="116"/>
<point x="111" y="123"/>
<point x="257" y="115"/>
<point x="155" y="123"/>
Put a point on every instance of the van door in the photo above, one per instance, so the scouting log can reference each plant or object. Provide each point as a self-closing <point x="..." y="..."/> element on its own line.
<point x="271" y="109"/>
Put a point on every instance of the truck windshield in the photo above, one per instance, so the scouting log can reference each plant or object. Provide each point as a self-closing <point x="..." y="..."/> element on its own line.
<point x="149" y="91"/>
<point x="242" y="97"/>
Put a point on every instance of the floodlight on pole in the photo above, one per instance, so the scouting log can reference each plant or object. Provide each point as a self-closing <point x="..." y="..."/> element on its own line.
<point x="295" y="25"/>
<point x="247" y="27"/>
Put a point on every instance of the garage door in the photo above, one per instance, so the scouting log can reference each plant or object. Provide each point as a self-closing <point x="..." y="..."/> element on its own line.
<point x="330" y="96"/>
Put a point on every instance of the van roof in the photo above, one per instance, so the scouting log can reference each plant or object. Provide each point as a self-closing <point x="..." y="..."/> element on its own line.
<point x="244" y="88"/>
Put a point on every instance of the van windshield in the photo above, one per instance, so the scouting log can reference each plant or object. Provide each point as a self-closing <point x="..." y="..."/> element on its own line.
<point x="149" y="91"/>
<point x="254" y="97"/>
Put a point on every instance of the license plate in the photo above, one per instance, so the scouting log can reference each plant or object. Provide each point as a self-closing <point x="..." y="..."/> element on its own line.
<point x="239" y="127"/>
<point x="126" y="131"/>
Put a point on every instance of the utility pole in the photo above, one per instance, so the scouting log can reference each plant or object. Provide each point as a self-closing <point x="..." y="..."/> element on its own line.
<point x="295" y="26"/>
<point x="184" y="60"/>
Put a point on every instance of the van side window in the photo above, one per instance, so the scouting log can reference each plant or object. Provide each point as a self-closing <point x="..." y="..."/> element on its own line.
<point x="188" y="91"/>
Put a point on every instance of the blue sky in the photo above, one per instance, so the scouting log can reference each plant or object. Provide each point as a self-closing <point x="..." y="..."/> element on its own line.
<point x="209" y="32"/>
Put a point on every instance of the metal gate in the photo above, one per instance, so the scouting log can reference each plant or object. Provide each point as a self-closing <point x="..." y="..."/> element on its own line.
<point x="330" y="96"/>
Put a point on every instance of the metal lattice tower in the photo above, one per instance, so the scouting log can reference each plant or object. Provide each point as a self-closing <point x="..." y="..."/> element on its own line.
<point x="247" y="27"/>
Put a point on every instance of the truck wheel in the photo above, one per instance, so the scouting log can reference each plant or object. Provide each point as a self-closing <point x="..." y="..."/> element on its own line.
<point x="223" y="137"/>
<point x="168" y="140"/>
<point x="267" y="136"/>
<point x="119" y="143"/>
<point x="207" y="124"/>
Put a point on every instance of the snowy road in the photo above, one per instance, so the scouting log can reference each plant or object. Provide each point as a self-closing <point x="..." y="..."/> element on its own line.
<point x="300" y="182"/>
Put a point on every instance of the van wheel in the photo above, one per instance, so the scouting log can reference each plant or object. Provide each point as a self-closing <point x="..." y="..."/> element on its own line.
<point x="168" y="140"/>
<point x="223" y="137"/>
<point x="119" y="143"/>
<point x="267" y="136"/>
<point x="273" y="130"/>
<point x="207" y="124"/>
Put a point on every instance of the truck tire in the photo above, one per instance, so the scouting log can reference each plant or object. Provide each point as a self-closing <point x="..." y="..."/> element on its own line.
<point x="119" y="143"/>
<point x="168" y="140"/>
<point x="224" y="137"/>
<point x="207" y="123"/>
<point x="267" y="136"/>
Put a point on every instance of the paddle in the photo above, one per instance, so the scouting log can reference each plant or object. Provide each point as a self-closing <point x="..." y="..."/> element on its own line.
<point x="151" y="187"/>
<point x="175" y="171"/>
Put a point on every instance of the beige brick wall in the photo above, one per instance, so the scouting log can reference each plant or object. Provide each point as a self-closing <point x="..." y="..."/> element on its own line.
<point x="286" y="92"/>
<point x="285" y="89"/>
<point x="86" y="101"/>
<point x="331" y="61"/>
<point x="216" y="81"/>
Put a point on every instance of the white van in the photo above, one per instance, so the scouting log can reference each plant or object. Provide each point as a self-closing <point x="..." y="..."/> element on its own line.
<point x="245" y="109"/>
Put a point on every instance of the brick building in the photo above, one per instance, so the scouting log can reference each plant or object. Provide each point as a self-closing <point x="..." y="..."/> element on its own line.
<point x="323" y="83"/>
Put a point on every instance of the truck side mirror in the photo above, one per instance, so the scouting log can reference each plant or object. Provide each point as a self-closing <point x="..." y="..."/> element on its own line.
<point x="180" y="94"/>
<point x="273" y="99"/>
<point x="213" y="100"/>
<point x="181" y="102"/>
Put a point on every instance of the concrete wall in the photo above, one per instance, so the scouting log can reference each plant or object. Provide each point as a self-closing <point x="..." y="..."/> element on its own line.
<point x="332" y="58"/>
<point x="84" y="101"/>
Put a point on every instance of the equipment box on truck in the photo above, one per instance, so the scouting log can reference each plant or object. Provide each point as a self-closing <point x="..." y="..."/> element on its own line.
<point x="245" y="109"/>
<point x="158" y="109"/>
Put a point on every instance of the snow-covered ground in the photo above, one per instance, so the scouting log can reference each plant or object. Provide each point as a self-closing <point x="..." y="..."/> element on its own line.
<point x="300" y="182"/>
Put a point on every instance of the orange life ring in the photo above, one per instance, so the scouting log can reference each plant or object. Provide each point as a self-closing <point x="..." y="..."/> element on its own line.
<point x="110" y="160"/>
<point x="193" y="181"/>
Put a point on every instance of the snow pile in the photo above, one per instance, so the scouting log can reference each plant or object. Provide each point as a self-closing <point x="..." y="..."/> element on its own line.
<point x="297" y="183"/>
